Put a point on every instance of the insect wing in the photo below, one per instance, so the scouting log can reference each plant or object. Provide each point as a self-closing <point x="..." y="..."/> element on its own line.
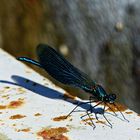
<point x="61" y="70"/>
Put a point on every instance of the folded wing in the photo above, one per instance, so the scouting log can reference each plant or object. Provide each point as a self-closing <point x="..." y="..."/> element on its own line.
<point x="61" y="70"/>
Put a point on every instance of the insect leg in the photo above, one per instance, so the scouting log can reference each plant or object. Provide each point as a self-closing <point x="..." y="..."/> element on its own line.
<point x="92" y="109"/>
<point x="91" y="100"/>
<point x="76" y="107"/>
<point x="112" y="110"/>
<point x="93" y="125"/>
<point x="105" y="117"/>
<point x="120" y="112"/>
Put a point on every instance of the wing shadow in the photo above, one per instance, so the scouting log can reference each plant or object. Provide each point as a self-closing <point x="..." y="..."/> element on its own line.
<point x="47" y="92"/>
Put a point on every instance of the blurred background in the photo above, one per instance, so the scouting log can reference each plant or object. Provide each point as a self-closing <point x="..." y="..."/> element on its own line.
<point x="100" y="37"/>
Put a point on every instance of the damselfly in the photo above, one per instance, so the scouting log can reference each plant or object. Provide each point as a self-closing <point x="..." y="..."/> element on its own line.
<point x="63" y="71"/>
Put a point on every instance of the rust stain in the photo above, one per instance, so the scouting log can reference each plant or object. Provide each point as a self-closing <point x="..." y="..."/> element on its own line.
<point x="60" y="118"/>
<point x="17" y="116"/>
<point x="113" y="108"/>
<point x="102" y="122"/>
<point x="138" y="129"/>
<point x="3" y="106"/>
<point x="129" y="112"/>
<point x="88" y="121"/>
<point x="24" y="130"/>
<point x="68" y="96"/>
<point x="15" y="104"/>
<point x="37" y="114"/>
<point x="54" y="133"/>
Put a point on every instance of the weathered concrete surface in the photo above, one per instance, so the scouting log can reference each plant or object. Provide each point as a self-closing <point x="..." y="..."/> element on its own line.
<point x="30" y="103"/>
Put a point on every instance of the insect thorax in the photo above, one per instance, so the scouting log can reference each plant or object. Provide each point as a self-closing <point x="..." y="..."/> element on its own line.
<point x="99" y="93"/>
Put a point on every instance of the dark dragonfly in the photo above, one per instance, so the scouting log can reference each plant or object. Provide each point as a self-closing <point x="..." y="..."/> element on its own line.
<point x="63" y="71"/>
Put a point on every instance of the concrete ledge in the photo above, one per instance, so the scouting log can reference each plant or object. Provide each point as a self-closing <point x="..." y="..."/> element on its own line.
<point x="32" y="108"/>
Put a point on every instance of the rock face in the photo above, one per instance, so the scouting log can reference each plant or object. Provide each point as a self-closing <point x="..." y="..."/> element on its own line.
<point x="102" y="37"/>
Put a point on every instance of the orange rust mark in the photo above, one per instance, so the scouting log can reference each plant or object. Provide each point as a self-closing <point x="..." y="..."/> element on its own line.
<point x="68" y="96"/>
<point x="54" y="133"/>
<point x="15" y="104"/>
<point x="60" y="118"/>
<point x="2" y="106"/>
<point x="37" y="114"/>
<point x="12" y="104"/>
<point x="17" y="116"/>
<point x="139" y="115"/>
<point x="24" y="130"/>
<point x="129" y="112"/>
<point x="120" y="106"/>
<point x="102" y="122"/>
<point x="88" y="121"/>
